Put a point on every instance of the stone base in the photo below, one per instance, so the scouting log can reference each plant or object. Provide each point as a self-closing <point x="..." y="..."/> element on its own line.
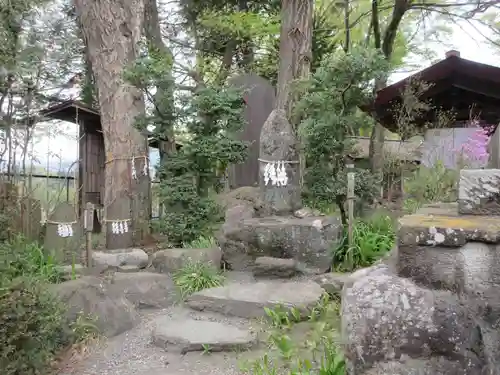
<point x="459" y="253"/>
<point x="479" y="192"/>
<point x="308" y="241"/>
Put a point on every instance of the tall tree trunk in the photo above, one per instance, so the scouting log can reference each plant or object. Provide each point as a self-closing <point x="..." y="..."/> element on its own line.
<point x="112" y="30"/>
<point x="295" y="49"/>
<point x="295" y="60"/>
<point x="153" y="35"/>
<point x="386" y="45"/>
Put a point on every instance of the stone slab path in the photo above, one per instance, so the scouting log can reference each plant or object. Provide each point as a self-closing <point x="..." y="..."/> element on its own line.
<point x="189" y="335"/>
<point x="173" y="341"/>
<point x="249" y="300"/>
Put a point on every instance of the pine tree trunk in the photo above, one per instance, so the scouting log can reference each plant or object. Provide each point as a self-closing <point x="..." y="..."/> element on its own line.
<point x="112" y="30"/>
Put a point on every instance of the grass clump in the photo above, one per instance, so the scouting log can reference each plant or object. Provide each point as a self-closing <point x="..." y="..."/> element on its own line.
<point x="372" y="239"/>
<point x="201" y="243"/>
<point x="317" y="353"/>
<point x="196" y="276"/>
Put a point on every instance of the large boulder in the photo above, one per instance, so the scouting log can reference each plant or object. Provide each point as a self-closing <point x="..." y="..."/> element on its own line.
<point x="172" y="260"/>
<point x="145" y="289"/>
<point x="309" y="241"/>
<point x="385" y="318"/>
<point x="89" y="295"/>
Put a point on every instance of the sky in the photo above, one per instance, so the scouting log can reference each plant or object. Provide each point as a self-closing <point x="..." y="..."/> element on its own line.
<point x="60" y="148"/>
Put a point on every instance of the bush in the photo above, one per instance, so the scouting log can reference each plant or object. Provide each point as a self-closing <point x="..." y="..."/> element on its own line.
<point x="32" y="326"/>
<point x="196" y="276"/>
<point x="372" y="239"/>
<point x="430" y="185"/>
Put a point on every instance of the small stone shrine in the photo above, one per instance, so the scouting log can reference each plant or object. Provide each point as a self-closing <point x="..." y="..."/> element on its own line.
<point x="436" y="308"/>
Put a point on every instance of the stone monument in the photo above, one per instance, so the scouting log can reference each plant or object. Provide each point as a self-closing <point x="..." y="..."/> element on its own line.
<point x="274" y="236"/>
<point x="259" y="96"/>
<point x="436" y="308"/>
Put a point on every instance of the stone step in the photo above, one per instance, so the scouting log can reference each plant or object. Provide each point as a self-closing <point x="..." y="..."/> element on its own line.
<point x="190" y="335"/>
<point x="249" y="300"/>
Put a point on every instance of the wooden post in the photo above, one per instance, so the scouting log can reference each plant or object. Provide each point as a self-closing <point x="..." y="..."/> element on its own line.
<point x="350" y="211"/>
<point x="88" y="224"/>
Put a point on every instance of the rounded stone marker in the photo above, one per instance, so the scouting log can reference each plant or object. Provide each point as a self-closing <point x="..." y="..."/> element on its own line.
<point x="198" y="335"/>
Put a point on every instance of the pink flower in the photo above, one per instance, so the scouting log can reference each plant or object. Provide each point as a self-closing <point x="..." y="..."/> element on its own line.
<point x="476" y="147"/>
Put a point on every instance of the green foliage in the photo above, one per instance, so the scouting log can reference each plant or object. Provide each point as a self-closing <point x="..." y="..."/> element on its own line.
<point x="211" y="116"/>
<point x="196" y="276"/>
<point x="19" y="257"/>
<point x="329" y="109"/>
<point x="372" y="239"/>
<point x="430" y="185"/>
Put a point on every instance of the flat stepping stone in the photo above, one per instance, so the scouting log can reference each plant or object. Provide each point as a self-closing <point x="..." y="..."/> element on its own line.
<point x="199" y="335"/>
<point x="249" y="300"/>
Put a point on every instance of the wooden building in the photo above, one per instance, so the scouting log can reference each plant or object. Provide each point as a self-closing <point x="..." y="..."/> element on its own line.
<point x="471" y="90"/>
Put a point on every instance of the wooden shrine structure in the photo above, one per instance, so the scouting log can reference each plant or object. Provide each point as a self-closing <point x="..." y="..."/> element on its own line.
<point x="91" y="158"/>
<point x="468" y="88"/>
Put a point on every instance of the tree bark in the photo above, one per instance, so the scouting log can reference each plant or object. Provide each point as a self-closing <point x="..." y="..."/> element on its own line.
<point x="295" y="49"/>
<point x="112" y="30"/>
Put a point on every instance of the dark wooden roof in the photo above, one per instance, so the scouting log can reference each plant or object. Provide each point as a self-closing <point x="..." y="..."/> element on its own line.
<point x="76" y="111"/>
<point x="464" y="86"/>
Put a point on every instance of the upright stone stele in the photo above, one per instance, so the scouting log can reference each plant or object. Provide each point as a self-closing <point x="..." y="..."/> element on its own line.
<point x="278" y="143"/>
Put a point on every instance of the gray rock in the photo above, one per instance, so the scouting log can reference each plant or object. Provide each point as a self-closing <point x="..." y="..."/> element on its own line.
<point x="479" y="192"/>
<point x="410" y="366"/>
<point x="385" y="316"/>
<point x="120" y="258"/>
<point x="91" y="296"/>
<point x="308" y="241"/>
<point x="249" y="300"/>
<point x="473" y="268"/>
<point x="172" y="260"/>
<point x="332" y="282"/>
<point x="278" y="143"/>
<point x="275" y="267"/>
<point x="239" y="212"/>
<point x="199" y="335"/>
<point x="145" y="289"/>
<point x="306" y="212"/>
